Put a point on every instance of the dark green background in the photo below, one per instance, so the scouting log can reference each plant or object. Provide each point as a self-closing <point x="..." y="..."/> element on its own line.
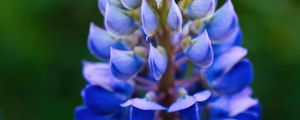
<point x="42" y="44"/>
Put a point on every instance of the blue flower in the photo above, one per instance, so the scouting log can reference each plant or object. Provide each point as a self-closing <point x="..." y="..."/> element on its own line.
<point x="157" y="61"/>
<point x="174" y="17"/>
<point x="142" y="109"/>
<point x="200" y="8"/>
<point x="190" y="107"/>
<point x="199" y="50"/>
<point x="230" y="73"/>
<point x="118" y="22"/>
<point x="131" y="4"/>
<point x="239" y="105"/>
<point x="170" y="35"/>
<point x="125" y="64"/>
<point x="100" y="42"/>
<point x="223" y="23"/>
<point x="148" y="19"/>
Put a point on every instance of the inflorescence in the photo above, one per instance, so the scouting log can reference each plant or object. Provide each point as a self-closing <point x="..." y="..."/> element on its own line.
<point x="167" y="60"/>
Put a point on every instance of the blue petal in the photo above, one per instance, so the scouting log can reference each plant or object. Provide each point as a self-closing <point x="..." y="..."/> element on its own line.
<point x="102" y="5"/>
<point x="238" y="78"/>
<point x="234" y="104"/>
<point x="142" y="109"/>
<point x="82" y="113"/>
<point x="157" y="61"/>
<point x="234" y="39"/>
<point x="138" y="114"/>
<point x="100" y="100"/>
<point x="174" y="18"/>
<point x="189" y="107"/>
<point x="253" y="113"/>
<point x="224" y="63"/>
<point x="223" y="23"/>
<point x="148" y="19"/>
<point x="202" y="96"/>
<point x="182" y="103"/>
<point x="131" y="4"/>
<point x="191" y="113"/>
<point x="143" y="104"/>
<point x="200" y="8"/>
<point x="118" y="23"/>
<point x="99" y="74"/>
<point x="99" y="42"/>
<point x="200" y="50"/>
<point x="125" y="64"/>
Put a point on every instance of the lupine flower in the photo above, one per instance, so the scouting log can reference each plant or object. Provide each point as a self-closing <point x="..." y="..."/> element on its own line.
<point x="167" y="60"/>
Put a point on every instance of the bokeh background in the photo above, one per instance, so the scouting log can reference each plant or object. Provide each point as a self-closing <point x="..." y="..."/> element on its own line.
<point x="42" y="44"/>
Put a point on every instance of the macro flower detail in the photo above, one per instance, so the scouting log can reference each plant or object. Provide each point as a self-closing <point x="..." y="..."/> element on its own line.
<point x="125" y="64"/>
<point x="174" y="17"/>
<point x="199" y="50"/>
<point x="148" y="19"/>
<point x="199" y="8"/>
<point x="167" y="60"/>
<point x="100" y="42"/>
<point x="118" y="22"/>
<point x="131" y="4"/>
<point x="157" y="61"/>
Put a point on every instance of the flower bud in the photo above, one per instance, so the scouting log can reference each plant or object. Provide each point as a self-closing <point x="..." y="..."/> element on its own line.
<point x="118" y="22"/>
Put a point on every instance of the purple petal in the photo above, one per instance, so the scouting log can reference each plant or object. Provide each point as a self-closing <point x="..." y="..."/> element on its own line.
<point x="99" y="42"/>
<point x="182" y="103"/>
<point x="174" y="18"/>
<point x="157" y="61"/>
<point x="202" y="96"/>
<point x="131" y="4"/>
<point x="200" y="8"/>
<point x="200" y="50"/>
<point x="238" y="78"/>
<point x="224" y="63"/>
<point x="223" y="23"/>
<point x="99" y="74"/>
<point x="118" y="23"/>
<point x="143" y="104"/>
<point x="125" y="64"/>
<point x="148" y="19"/>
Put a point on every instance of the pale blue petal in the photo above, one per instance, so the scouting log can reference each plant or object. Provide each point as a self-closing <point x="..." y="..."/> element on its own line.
<point x="100" y="74"/>
<point x="174" y="18"/>
<point x="235" y="104"/>
<point x="182" y="103"/>
<point x="148" y="19"/>
<point x="143" y="104"/>
<point x="200" y="8"/>
<point x="125" y="64"/>
<point x="102" y="5"/>
<point x="200" y="51"/>
<point x="118" y="23"/>
<point x="238" y="78"/>
<point x="158" y="62"/>
<point x="223" y="22"/>
<point x="131" y="4"/>
<point x="234" y="39"/>
<point x="224" y="63"/>
<point x="99" y="42"/>
<point x="202" y="96"/>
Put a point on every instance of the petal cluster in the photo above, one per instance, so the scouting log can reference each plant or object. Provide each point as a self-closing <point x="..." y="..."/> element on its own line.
<point x="167" y="59"/>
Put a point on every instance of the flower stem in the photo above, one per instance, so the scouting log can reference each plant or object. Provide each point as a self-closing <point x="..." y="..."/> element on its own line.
<point x="166" y="84"/>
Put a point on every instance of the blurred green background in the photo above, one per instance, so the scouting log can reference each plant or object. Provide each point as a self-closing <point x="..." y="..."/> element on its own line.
<point x="42" y="44"/>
